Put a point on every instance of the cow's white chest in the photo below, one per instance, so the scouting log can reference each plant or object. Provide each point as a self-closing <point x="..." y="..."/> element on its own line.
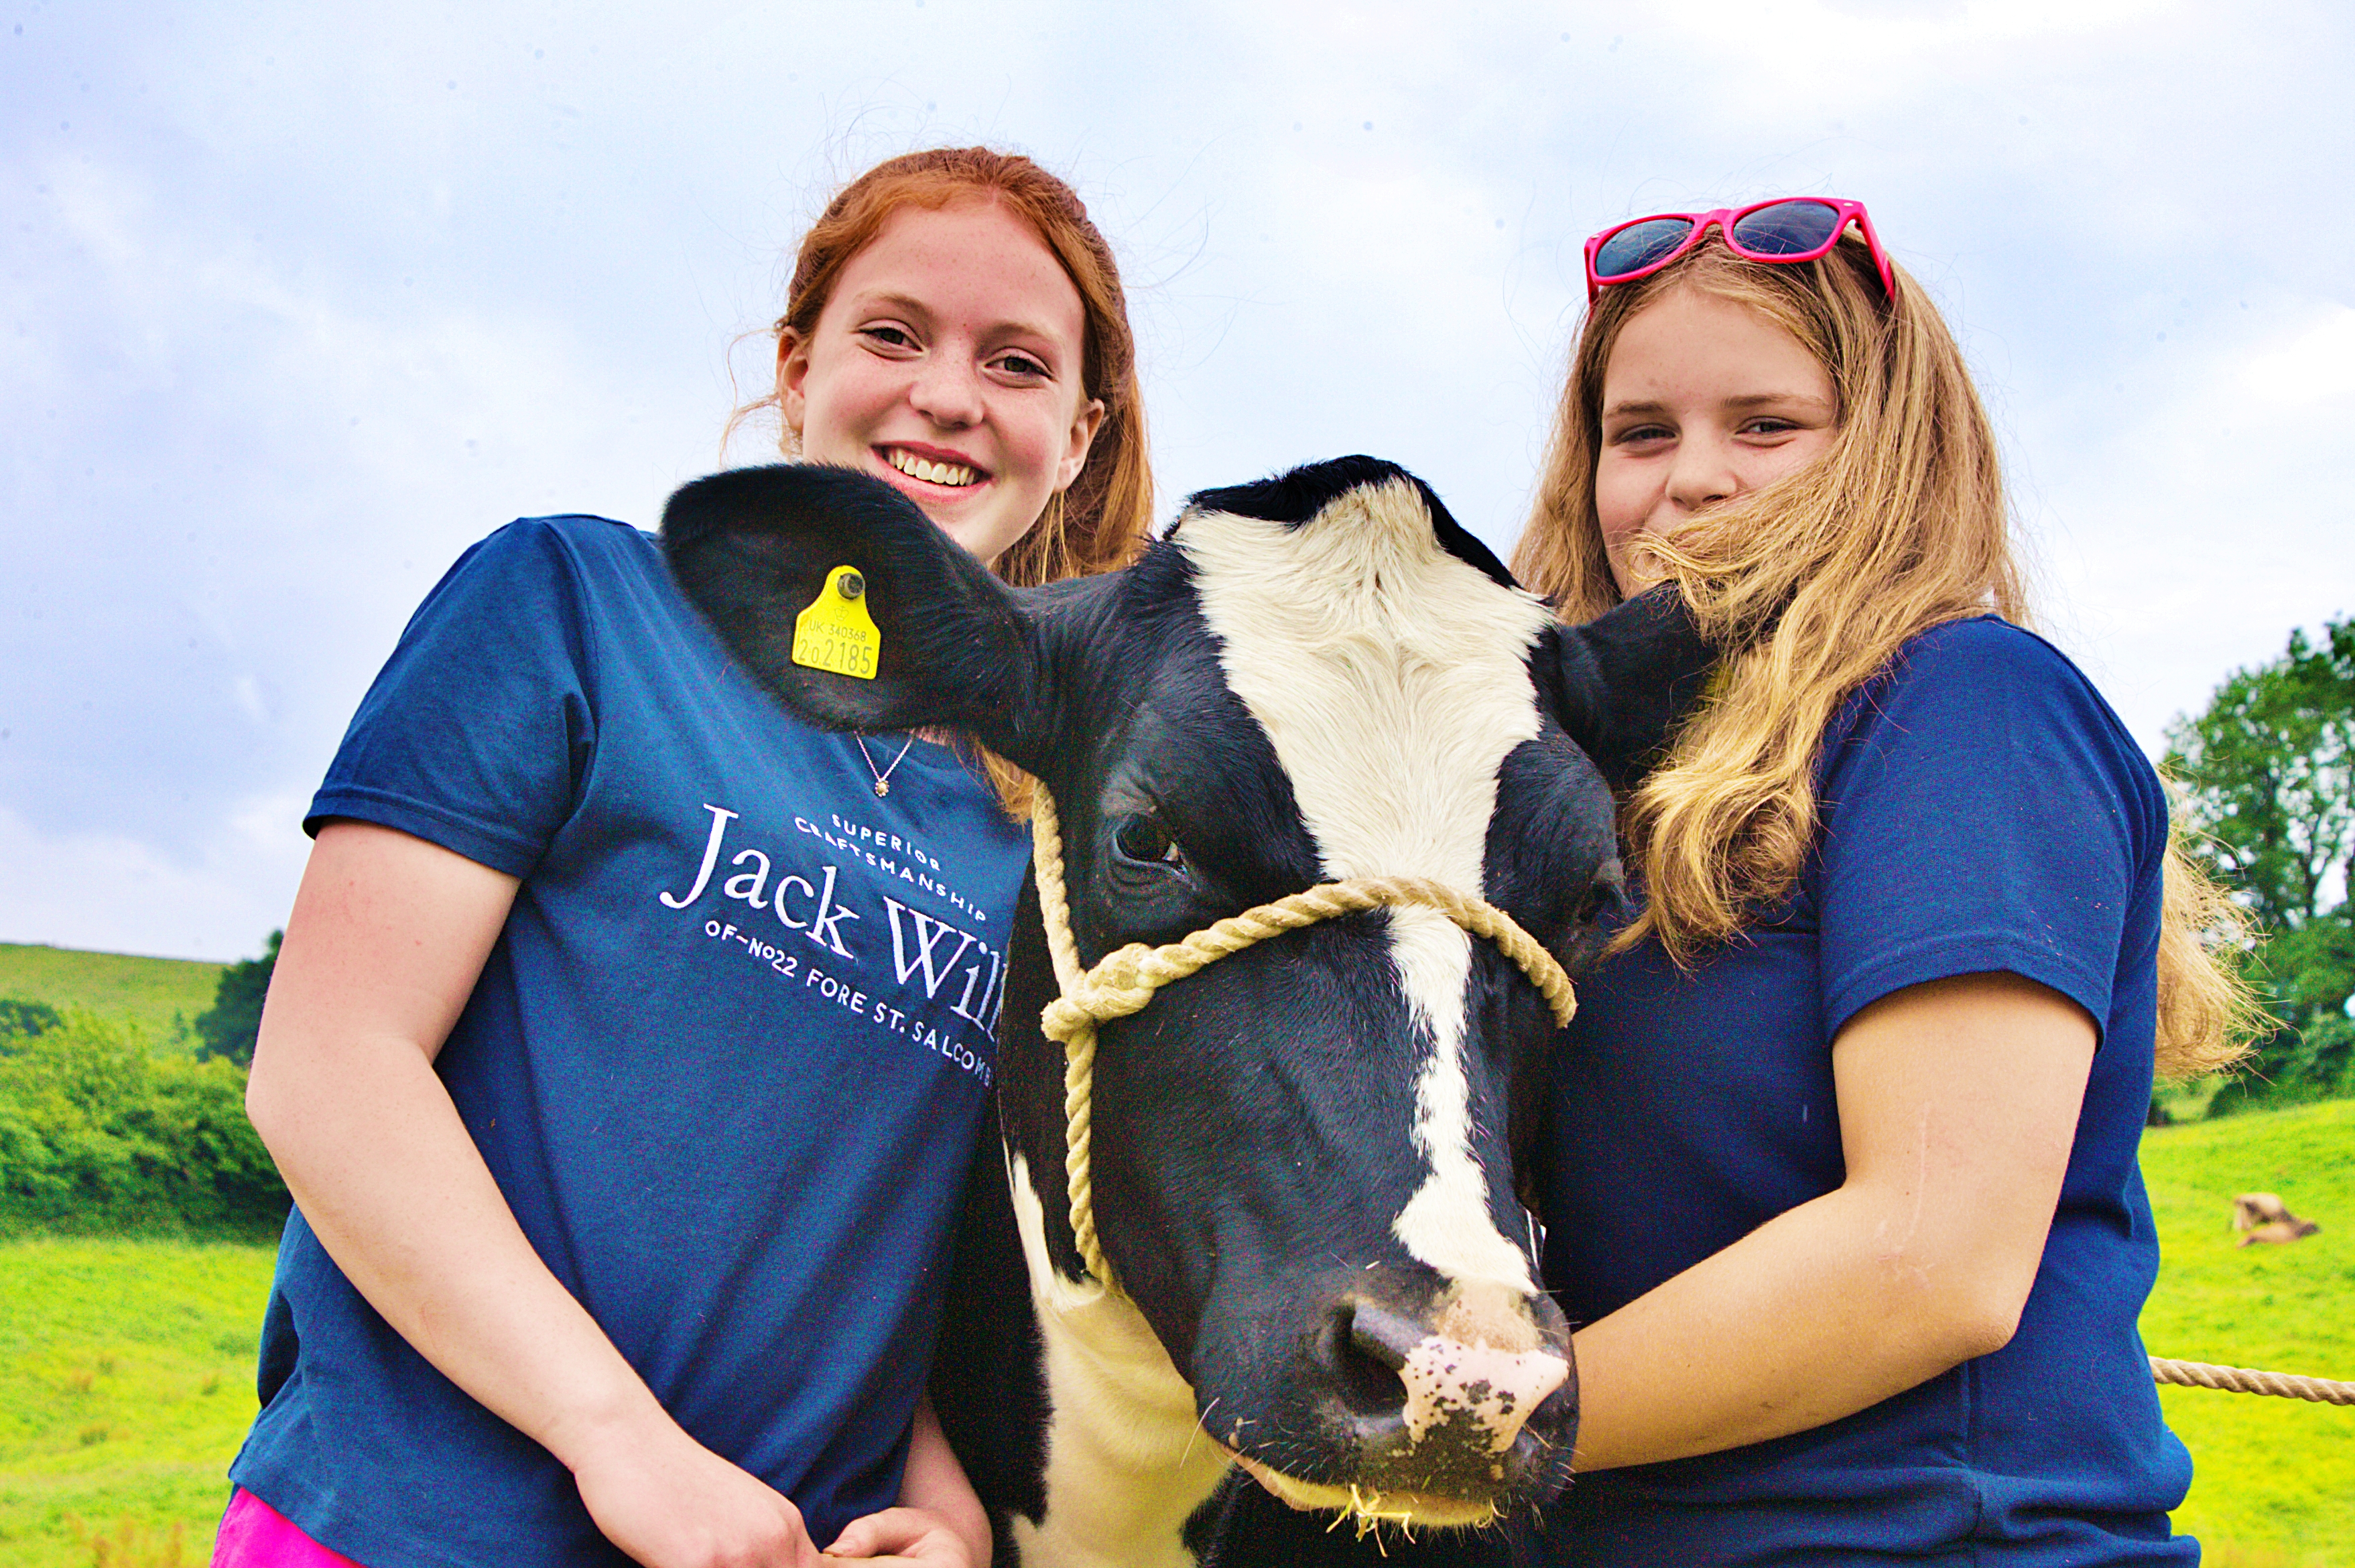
<point x="1127" y="1461"/>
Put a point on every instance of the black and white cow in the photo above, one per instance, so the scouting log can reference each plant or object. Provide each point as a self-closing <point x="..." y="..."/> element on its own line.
<point x="1304" y="1154"/>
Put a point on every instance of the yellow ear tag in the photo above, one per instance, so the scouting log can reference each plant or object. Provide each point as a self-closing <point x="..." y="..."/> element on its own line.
<point x="836" y="633"/>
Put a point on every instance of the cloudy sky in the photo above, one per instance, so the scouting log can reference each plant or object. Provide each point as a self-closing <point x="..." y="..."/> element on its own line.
<point x="300" y="300"/>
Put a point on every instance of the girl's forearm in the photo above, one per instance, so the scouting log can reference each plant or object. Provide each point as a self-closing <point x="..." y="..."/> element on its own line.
<point x="383" y="947"/>
<point x="1958" y="1102"/>
<point x="1799" y="1323"/>
<point x="384" y="1171"/>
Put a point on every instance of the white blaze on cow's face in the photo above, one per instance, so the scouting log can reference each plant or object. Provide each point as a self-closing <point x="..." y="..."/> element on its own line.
<point x="1392" y="679"/>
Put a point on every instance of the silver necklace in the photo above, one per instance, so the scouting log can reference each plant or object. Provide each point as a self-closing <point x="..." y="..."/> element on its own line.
<point x="883" y="779"/>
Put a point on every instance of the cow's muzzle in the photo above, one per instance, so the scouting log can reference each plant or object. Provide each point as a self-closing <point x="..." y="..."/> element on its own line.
<point x="1472" y="1399"/>
<point x="1434" y="1411"/>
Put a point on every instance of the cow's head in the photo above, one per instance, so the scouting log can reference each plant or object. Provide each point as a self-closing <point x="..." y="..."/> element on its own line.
<point x="1304" y="1154"/>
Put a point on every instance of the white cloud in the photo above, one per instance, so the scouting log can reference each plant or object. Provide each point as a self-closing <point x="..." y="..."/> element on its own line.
<point x="1796" y="41"/>
<point x="293" y="318"/>
<point x="2313" y="364"/>
<point x="2189" y="526"/>
<point x="117" y="893"/>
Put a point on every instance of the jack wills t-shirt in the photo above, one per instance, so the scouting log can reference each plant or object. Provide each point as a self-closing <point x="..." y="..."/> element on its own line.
<point x="726" y="1060"/>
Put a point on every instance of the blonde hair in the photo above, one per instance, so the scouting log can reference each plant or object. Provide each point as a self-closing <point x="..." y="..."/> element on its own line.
<point x="1101" y="520"/>
<point x="1813" y="583"/>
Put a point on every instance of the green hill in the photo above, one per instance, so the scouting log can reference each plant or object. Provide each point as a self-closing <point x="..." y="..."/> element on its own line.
<point x="160" y="996"/>
<point x="2275" y="1478"/>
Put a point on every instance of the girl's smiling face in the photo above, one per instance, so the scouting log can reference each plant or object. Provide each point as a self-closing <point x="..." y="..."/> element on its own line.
<point x="1703" y="400"/>
<point x="948" y="362"/>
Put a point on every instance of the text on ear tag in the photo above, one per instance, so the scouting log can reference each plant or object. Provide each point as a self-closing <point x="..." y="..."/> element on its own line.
<point x="836" y="633"/>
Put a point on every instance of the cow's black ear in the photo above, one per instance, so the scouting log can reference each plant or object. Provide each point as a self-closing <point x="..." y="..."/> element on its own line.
<point x="1620" y="683"/>
<point x="953" y="646"/>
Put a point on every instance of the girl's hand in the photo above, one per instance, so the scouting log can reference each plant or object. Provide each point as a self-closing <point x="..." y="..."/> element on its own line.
<point x="913" y="1536"/>
<point x="673" y="1503"/>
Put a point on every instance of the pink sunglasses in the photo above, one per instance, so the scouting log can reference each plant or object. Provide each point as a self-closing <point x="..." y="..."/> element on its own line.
<point x="1788" y="229"/>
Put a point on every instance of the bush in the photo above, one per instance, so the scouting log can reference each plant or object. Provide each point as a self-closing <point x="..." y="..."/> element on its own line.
<point x="95" y="1134"/>
<point x="2297" y="1067"/>
<point x="19" y="1017"/>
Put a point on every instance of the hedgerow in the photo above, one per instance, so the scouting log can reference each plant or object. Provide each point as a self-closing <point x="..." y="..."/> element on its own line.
<point x="98" y="1135"/>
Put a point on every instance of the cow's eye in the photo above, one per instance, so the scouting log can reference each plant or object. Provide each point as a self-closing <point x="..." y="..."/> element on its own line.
<point x="1606" y="893"/>
<point x="1147" y="842"/>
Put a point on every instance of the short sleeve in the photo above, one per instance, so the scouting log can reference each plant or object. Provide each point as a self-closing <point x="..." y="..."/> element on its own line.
<point x="479" y="728"/>
<point x="1983" y="810"/>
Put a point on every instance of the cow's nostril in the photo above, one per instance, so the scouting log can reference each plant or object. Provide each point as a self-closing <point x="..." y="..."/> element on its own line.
<point x="1385" y="1336"/>
<point x="1362" y="1351"/>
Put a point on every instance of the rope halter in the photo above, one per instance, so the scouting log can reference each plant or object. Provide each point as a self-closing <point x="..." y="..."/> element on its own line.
<point x="1127" y="978"/>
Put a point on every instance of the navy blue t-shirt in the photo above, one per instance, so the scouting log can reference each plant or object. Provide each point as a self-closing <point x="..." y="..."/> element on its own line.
<point x="726" y="1060"/>
<point x="1983" y="810"/>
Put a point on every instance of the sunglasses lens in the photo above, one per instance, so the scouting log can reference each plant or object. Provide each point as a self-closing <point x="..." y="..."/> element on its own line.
<point x="1787" y="228"/>
<point x="1639" y="245"/>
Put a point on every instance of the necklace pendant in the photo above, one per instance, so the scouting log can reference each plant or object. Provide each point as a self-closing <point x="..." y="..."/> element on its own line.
<point x="882" y="786"/>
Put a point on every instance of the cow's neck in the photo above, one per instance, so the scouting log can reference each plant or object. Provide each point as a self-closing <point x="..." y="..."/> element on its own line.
<point x="1127" y="1461"/>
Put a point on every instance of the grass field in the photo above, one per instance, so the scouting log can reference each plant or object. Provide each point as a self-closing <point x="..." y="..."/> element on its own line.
<point x="126" y="1382"/>
<point x="2276" y="1477"/>
<point x="126" y="1368"/>
<point x="161" y="997"/>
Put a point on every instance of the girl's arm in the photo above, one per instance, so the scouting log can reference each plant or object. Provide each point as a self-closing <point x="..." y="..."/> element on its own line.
<point x="387" y="938"/>
<point x="939" y="1523"/>
<point x="1958" y="1102"/>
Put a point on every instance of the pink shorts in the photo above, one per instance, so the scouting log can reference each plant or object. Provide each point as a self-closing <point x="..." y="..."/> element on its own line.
<point x="255" y="1535"/>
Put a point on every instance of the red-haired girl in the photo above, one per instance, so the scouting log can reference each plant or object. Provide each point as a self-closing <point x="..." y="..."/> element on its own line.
<point x="624" y="1139"/>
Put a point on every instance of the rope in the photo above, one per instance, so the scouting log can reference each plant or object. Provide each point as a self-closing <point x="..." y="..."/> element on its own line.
<point x="2242" y="1379"/>
<point x="1125" y="980"/>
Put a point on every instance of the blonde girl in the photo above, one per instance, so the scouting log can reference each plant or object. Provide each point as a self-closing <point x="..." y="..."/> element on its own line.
<point x="1841" y="1178"/>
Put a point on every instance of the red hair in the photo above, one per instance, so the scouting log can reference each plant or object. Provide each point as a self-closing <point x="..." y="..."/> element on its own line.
<point x="1101" y="521"/>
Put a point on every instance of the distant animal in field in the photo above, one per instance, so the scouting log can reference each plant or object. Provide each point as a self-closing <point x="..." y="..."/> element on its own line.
<point x="2261" y="1217"/>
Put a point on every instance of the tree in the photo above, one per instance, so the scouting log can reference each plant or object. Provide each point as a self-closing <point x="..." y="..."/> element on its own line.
<point x="21" y="1020"/>
<point x="227" y="1028"/>
<point x="2269" y="777"/>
